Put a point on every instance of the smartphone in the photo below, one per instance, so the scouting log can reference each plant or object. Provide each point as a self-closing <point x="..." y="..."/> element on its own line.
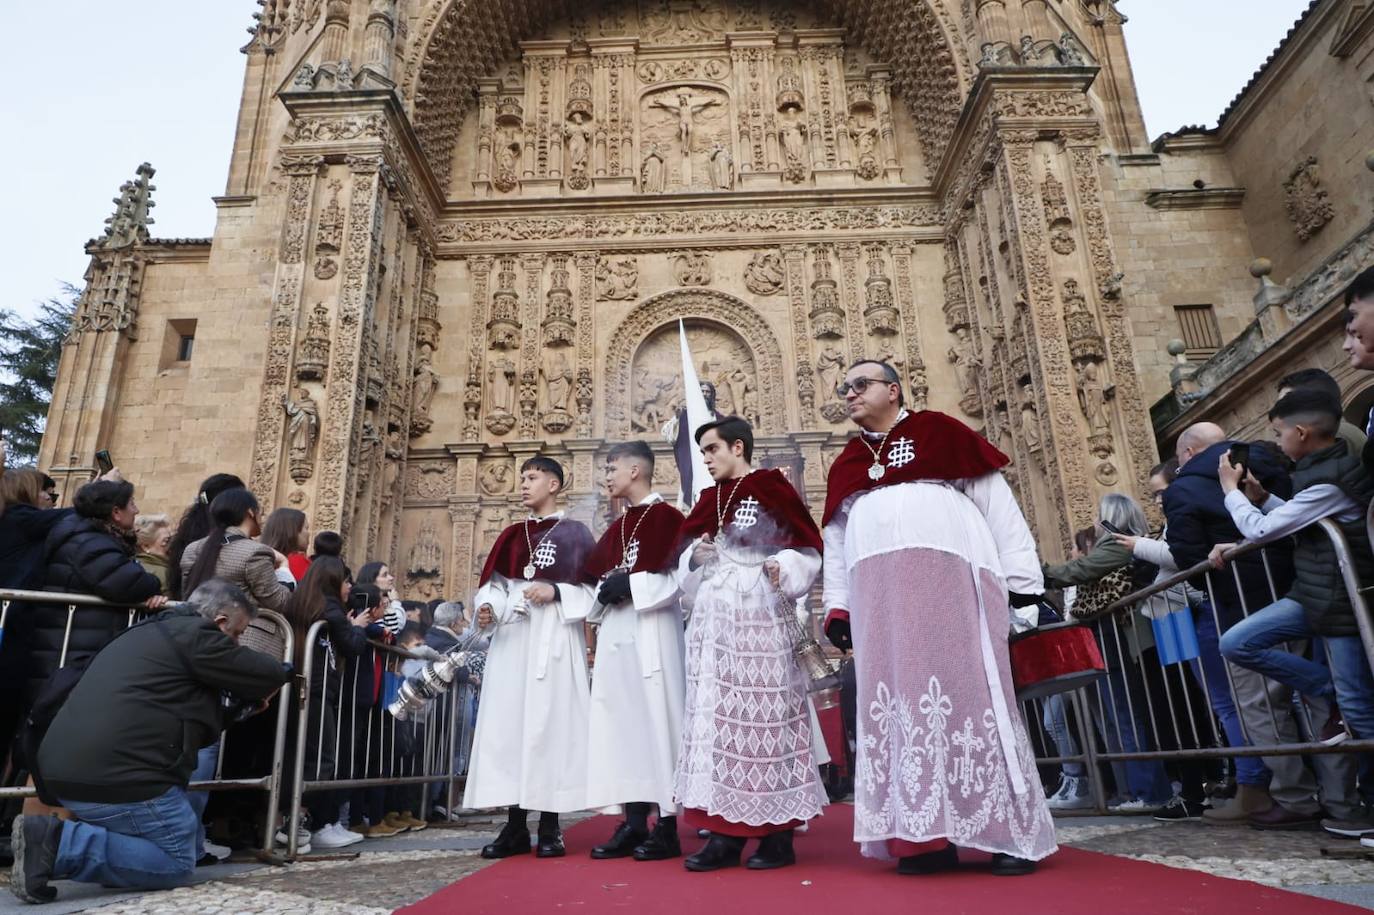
<point x="1109" y="527"/>
<point x="103" y="461"/>
<point x="357" y="603"/>
<point x="1239" y="455"/>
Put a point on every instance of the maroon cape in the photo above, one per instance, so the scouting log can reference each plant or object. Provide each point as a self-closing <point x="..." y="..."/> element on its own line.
<point x="776" y="517"/>
<point x="571" y="543"/>
<point x="923" y="446"/>
<point x="656" y="527"/>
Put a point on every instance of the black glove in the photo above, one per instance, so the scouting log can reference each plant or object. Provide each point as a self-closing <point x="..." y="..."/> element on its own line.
<point x="837" y="631"/>
<point x="614" y="589"/>
<point x="1019" y="600"/>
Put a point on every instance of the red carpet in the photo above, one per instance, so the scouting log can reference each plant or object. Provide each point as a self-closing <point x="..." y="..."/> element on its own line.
<point x="831" y="878"/>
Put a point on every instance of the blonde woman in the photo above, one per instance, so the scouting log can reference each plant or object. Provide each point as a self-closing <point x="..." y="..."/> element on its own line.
<point x="154" y="534"/>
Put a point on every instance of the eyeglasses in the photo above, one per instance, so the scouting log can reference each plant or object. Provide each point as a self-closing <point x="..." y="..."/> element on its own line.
<point x="859" y="385"/>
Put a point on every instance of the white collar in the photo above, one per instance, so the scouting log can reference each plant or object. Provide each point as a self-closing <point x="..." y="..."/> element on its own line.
<point x="650" y="499"/>
<point x="900" y="416"/>
<point x="536" y="519"/>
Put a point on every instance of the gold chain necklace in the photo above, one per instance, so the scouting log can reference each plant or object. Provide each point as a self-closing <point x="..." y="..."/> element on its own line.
<point x="876" y="471"/>
<point x="720" y="512"/>
<point x="529" y="568"/>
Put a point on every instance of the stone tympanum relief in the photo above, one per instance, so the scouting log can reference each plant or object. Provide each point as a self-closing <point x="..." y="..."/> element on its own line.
<point x="723" y="359"/>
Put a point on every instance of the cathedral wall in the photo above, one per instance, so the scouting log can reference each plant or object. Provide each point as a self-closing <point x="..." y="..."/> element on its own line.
<point x="1193" y="254"/>
<point x="1297" y="143"/>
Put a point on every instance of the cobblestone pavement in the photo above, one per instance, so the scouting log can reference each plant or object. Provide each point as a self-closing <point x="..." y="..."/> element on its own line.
<point x="381" y="875"/>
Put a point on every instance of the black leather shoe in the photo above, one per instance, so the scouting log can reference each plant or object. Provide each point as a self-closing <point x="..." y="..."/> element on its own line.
<point x="932" y="862"/>
<point x="661" y="845"/>
<point x="550" y="845"/>
<point x="774" y="851"/>
<point x="623" y="843"/>
<point x="1011" y="866"/>
<point x="718" y="852"/>
<point x="512" y="840"/>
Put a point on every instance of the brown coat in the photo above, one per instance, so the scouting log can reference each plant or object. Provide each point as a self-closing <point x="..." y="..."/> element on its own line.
<point x="246" y="563"/>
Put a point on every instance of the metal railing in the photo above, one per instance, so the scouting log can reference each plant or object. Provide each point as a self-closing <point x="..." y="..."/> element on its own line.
<point x="1147" y="712"/>
<point x="372" y="749"/>
<point x="271" y="783"/>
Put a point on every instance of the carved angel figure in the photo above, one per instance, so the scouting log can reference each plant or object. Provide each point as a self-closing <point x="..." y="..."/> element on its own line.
<point x="764" y="273"/>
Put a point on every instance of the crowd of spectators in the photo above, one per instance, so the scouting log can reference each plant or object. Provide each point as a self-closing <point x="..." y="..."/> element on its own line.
<point x="181" y="666"/>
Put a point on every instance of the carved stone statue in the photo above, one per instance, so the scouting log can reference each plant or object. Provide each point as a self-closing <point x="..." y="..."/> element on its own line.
<point x="558" y="382"/>
<point x="653" y="408"/>
<point x="497" y="478"/>
<point x="425" y="568"/>
<point x="830" y="366"/>
<point x="578" y="135"/>
<point x="964" y="355"/>
<point x="722" y="167"/>
<point x="422" y="393"/>
<point x="792" y="134"/>
<point x="693" y="269"/>
<point x="618" y="279"/>
<point x="686" y="107"/>
<point x="737" y="384"/>
<point x="302" y="428"/>
<point x="764" y="273"/>
<point x="652" y="173"/>
<point x="501" y="378"/>
<point x="1030" y="420"/>
<point x="1092" y="396"/>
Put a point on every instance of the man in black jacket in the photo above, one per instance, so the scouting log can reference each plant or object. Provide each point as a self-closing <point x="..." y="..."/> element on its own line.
<point x="1280" y="794"/>
<point x="120" y="752"/>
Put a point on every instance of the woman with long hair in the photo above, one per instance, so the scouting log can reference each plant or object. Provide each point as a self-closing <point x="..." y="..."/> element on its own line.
<point x="380" y="575"/>
<point x="287" y="531"/>
<point x="195" y="524"/>
<point x="320" y="596"/>
<point x="229" y="551"/>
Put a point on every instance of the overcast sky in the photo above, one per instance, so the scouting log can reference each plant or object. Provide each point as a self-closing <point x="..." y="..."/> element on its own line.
<point x="159" y="81"/>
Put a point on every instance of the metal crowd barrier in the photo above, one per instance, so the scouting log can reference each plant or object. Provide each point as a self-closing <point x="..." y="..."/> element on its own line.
<point x="370" y="748"/>
<point x="270" y="783"/>
<point x="1149" y="711"/>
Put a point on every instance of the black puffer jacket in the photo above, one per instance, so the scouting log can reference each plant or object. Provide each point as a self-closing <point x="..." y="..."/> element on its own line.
<point x="82" y="557"/>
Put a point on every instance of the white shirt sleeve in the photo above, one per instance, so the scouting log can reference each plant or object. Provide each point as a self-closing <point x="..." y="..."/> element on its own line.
<point x="1156" y="551"/>
<point x="652" y="590"/>
<point x="1015" y="545"/>
<point x="497" y="593"/>
<point x="689" y="579"/>
<point x="835" y="574"/>
<point x="575" y="601"/>
<point x="1278" y="519"/>
<point x="798" y="570"/>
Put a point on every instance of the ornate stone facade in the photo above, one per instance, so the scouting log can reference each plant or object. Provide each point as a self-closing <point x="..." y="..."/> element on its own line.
<point x="472" y="236"/>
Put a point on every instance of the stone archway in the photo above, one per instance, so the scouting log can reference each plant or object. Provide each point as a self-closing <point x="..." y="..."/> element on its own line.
<point x="698" y="307"/>
<point x="458" y="42"/>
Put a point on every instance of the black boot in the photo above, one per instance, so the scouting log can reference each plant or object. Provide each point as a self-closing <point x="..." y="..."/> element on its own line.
<point x="1011" y="866"/>
<point x="550" y="837"/>
<point x="775" y="850"/>
<point x="718" y="852"/>
<point x="513" y="840"/>
<point x="662" y="842"/>
<point x="35" y="840"/>
<point x="622" y="844"/>
<point x="932" y="862"/>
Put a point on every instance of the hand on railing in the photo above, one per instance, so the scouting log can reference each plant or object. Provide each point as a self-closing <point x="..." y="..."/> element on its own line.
<point x="1218" y="555"/>
<point x="156" y="602"/>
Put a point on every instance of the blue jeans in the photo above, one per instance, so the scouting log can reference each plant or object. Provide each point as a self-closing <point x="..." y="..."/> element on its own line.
<point x="1057" y="726"/>
<point x="207" y="761"/>
<point x="1250" y="770"/>
<point x="145" y="845"/>
<point x="1348" y="682"/>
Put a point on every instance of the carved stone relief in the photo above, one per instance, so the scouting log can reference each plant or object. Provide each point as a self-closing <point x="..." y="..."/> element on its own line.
<point x="692" y="269"/>
<point x="683" y="125"/>
<point x="497" y="478"/>
<point x="617" y="279"/>
<point x="312" y="361"/>
<point x="1306" y="200"/>
<point x="425" y="565"/>
<point x="764" y="274"/>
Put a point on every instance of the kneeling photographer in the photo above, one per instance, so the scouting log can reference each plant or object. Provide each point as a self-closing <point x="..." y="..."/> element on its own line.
<point x="121" y="747"/>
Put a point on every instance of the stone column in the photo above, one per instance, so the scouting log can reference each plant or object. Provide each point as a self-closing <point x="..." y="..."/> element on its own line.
<point x="529" y="346"/>
<point x="851" y="298"/>
<point x="343" y="410"/>
<point x="334" y="39"/>
<point x="1035" y="20"/>
<point x="479" y="267"/>
<point x="265" y="477"/>
<point x="993" y="25"/>
<point x="794" y="263"/>
<point x="379" y="36"/>
<point x="586" y="340"/>
<point x="917" y="387"/>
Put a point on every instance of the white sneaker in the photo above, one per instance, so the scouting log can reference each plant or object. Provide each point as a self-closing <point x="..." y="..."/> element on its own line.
<point x="346" y="835"/>
<point x="1137" y="805"/>
<point x="1060" y="793"/>
<point x="329" y="837"/>
<point x="219" y="851"/>
<point x="302" y="837"/>
<point x="1367" y="841"/>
